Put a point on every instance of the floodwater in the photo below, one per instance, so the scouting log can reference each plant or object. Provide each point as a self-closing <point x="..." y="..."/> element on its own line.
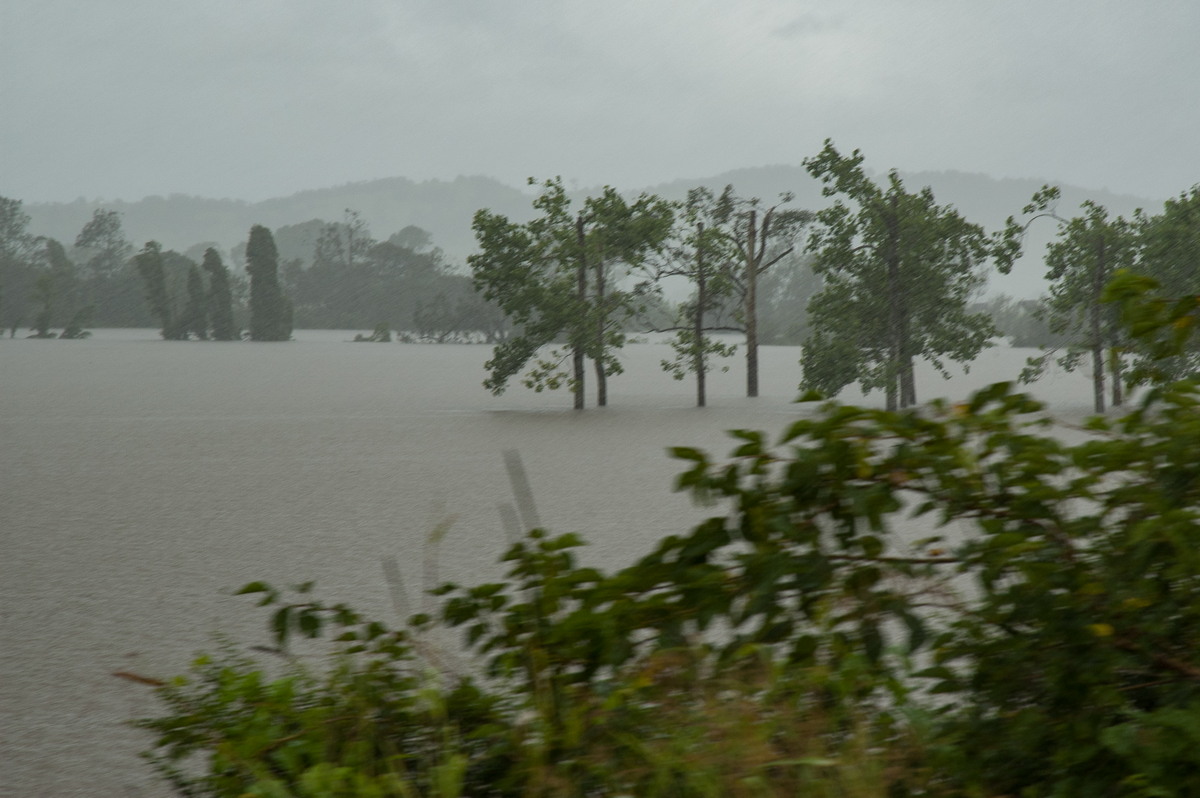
<point x="142" y="481"/>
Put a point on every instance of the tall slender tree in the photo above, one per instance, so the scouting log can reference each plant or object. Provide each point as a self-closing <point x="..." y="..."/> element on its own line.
<point x="704" y="255"/>
<point x="899" y="271"/>
<point x="220" y="298"/>
<point x="149" y="263"/>
<point x="194" y="320"/>
<point x="17" y="274"/>
<point x="762" y="236"/>
<point x="270" y="311"/>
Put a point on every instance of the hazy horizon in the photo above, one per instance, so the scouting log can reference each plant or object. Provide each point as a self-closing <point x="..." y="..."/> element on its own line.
<point x="523" y="186"/>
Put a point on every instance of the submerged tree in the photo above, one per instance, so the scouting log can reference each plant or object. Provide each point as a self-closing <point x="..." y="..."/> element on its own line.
<point x="104" y="243"/>
<point x="194" y="320"/>
<point x="760" y="241"/>
<point x="703" y="256"/>
<point x="565" y="275"/>
<point x="1087" y="254"/>
<point x="149" y="263"/>
<point x="16" y="245"/>
<point x="220" y="298"/>
<point x="1168" y="253"/>
<point x="899" y="271"/>
<point x="45" y="292"/>
<point x="270" y="311"/>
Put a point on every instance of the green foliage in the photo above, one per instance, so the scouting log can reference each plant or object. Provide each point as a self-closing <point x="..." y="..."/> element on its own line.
<point x="16" y="273"/>
<point x="103" y="244"/>
<point x="15" y="239"/>
<point x="899" y="271"/>
<point x="703" y="254"/>
<point x="1169" y="249"/>
<point x="220" y="298"/>
<point x="1090" y="249"/>
<point x="270" y="310"/>
<point x="565" y="275"/>
<point x="693" y="353"/>
<point x="149" y="263"/>
<point x="364" y="727"/>
<point x="194" y="319"/>
<point x="344" y="278"/>
<point x="37" y="279"/>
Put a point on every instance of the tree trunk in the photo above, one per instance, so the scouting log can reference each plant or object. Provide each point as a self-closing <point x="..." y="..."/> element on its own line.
<point x="908" y="382"/>
<point x="581" y="295"/>
<point x="1114" y="368"/>
<point x="896" y="348"/>
<point x="751" y="309"/>
<point x="1097" y="329"/>
<point x="698" y="328"/>
<point x="601" y="375"/>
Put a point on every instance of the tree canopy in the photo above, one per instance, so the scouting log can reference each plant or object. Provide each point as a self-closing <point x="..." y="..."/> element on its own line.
<point x="270" y="310"/>
<point x="565" y="277"/>
<point x="898" y="273"/>
<point x="1088" y="252"/>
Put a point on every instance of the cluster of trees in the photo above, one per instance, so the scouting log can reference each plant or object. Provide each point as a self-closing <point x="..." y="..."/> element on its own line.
<point x="877" y="280"/>
<point x="888" y="276"/>
<point x="99" y="280"/>
<point x="885" y="277"/>
<point x="324" y="274"/>
<point x="43" y="285"/>
<point x="1091" y="249"/>
<point x="579" y="279"/>
<point x="343" y="278"/>
<point x="206" y="310"/>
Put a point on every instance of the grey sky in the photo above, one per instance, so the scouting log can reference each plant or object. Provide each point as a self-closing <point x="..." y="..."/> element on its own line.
<point x="119" y="99"/>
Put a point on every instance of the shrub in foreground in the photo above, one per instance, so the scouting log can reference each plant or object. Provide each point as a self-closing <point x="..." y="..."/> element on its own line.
<point x="1038" y="636"/>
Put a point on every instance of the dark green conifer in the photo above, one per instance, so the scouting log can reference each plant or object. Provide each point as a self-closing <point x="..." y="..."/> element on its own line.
<point x="149" y="264"/>
<point x="220" y="298"/>
<point x="270" y="311"/>
<point x="195" y="314"/>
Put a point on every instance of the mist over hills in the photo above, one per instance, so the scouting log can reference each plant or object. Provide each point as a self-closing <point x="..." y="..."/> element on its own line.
<point x="445" y="208"/>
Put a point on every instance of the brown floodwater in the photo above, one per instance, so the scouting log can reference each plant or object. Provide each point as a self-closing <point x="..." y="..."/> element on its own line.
<point x="142" y="481"/>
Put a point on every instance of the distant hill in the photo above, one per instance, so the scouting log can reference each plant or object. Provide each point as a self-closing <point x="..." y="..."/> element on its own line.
<point x="445" y="209"/>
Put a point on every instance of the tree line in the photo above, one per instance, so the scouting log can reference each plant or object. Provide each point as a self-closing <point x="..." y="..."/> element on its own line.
<point x="894" y="278"/>
<point x="327" y="274"/>
<point x="879" y="279"/>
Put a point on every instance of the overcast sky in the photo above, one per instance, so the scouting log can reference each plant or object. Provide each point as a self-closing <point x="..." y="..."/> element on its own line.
<point x="120" y="99"/>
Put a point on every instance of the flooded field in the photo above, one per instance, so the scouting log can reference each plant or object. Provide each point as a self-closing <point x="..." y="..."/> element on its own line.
<point x="141" y="482"/>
